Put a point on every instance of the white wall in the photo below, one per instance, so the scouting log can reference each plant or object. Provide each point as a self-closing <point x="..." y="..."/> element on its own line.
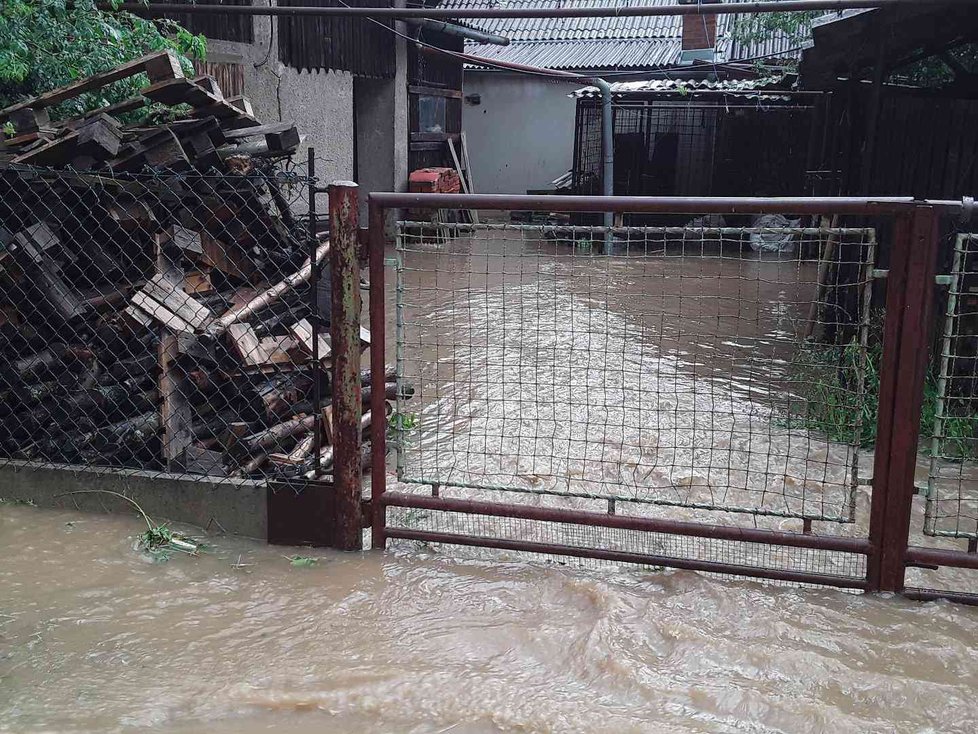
<point x="521" y="135"/>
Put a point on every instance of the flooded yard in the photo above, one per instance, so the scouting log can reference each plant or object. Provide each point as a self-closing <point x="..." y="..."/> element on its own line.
<point x="96" y="638"/>
<point x="662" y="382"/>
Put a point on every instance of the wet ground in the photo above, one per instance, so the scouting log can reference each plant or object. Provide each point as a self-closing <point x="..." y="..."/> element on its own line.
<point x="94" y="637"/>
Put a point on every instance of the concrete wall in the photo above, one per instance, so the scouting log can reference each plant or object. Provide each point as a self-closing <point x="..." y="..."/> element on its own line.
<point x="322" y="106"/>
<point x="521" y="135"/>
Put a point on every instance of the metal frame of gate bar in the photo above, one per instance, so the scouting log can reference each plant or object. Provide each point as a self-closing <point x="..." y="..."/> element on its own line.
<point x="909" y="296"/>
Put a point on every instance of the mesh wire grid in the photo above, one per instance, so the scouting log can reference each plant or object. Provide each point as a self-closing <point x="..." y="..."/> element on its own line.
<point x="952" y="482"/>
<point x="715" y="368"/>
<point x="748" y="555"/>
<point x="161" y="321"/>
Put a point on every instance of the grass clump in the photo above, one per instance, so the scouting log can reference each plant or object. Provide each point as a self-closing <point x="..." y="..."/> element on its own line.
<point x="832" y="403"/>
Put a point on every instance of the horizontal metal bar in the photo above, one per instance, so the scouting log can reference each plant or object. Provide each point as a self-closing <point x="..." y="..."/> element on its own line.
<point x="626" y="522"/>
<point x="655" y="204"/>
<point x="773" y="6"/>
<point x="800" y="577"/>
<point x="586" y="229"/>
<point x="621" y="497"/>
<point x="917" y="556"/>
<point x="958" y="597"/>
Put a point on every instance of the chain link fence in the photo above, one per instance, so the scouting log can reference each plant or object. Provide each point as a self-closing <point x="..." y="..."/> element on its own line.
<point x="172" y="322"/>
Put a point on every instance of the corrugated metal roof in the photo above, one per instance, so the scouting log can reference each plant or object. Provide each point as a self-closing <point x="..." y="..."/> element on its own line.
<point x="603" y="43"/>
<point x="740" y="86"/>
<point x="598" y="54"/>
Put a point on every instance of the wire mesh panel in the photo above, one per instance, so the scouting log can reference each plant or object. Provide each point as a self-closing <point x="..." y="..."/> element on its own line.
<point x="952" y="483"/>
<point x="161" y="321"/>
<point x="720" y="368"/>
<point x="835" y="566"/>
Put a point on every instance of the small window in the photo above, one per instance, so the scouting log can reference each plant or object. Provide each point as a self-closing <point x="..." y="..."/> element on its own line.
<point x="431" y="114"/>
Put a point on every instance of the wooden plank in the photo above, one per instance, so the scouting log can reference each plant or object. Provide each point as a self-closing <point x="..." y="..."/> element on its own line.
<point x="246" y="344"/>
<point x="172" y="296"/>
<point x="433" y="137"/>
<point x="435" y="91"/>
<point x="302" y="331"/>
<point x="158" y="65"/>
<point x="160" y="313"/>
<point x="248" y="132"/>
<point x="180" y="91"/>
<point x="175" y="408"/>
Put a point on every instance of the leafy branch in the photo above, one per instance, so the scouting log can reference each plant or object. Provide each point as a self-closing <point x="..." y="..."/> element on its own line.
<point x="46" y="44"/>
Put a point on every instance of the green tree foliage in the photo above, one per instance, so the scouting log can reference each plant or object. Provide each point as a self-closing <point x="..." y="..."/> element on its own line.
<point x="757" y="27"/>
<point x="45" y="44"/>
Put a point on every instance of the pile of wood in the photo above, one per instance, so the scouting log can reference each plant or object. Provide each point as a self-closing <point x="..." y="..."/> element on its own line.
<point x="156" y="306"/>
<point x="206" y="130"/>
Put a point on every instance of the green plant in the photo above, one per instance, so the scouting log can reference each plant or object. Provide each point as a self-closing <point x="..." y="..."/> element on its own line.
<point x="831" y="402"/>
<point x="302" y="561"/>
<point x="45" y="44"/>
<point x="401" y="423"/>
<point x="158" y="541"/>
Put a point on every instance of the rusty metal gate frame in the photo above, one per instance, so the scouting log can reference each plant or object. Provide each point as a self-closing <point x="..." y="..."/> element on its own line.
<point x="909" y="296"/>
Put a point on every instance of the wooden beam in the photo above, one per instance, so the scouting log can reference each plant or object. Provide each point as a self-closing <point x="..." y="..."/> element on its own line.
<point x="158" y="66"/>
<point x="175" y="409"/>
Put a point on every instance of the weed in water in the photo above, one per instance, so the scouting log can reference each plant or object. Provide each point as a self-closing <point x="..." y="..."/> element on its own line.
<point x="158" y="541"/>
<point x="302" y="561"/>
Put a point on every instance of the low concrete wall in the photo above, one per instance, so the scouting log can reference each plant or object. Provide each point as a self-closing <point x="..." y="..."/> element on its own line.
<point x="237" y="507"/>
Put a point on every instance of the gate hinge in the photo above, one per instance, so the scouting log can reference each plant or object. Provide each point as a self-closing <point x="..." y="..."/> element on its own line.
<point x="879" y="273"/>
<point x="390" y="262"/>
<point x="943" y="279"/>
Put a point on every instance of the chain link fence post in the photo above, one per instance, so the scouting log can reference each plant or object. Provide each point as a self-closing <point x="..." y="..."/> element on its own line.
<point x="346" y="346"/>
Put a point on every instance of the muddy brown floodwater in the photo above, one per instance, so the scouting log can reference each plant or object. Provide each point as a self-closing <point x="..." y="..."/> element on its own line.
<point x="95" y="638"/>
<point x="509" y="357"/>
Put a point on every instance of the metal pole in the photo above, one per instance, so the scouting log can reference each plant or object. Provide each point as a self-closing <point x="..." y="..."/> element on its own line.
<point x="772" y="6"/>
<point x="459" y="31"/>
<point x="910" y="286"/>
<point x="607" y="155"/>
<point x="345" y="339"/>
<point x="317" y="368"/>
<point x="378" y="338"/>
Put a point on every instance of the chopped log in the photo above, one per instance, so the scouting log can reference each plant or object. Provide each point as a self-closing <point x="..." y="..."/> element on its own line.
<point x="166" y="301"/>
<point x="238" y="315"/>
<point x="132" y="216"/>
<point x="275" y="436"/>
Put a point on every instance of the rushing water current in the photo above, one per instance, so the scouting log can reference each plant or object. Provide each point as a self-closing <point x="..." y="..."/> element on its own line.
<point x="96" y="638"/>
<point x="645" y="378"/>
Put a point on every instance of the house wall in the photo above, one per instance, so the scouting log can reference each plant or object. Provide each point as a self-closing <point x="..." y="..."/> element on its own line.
<point x="322" y="104"/>
<point x="521" y="134"/>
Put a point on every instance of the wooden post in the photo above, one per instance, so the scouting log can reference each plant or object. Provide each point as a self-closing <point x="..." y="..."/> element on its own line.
<point x="909" y="305"/>
<point x="345" y="335"/>
<point x="175" y="414"/>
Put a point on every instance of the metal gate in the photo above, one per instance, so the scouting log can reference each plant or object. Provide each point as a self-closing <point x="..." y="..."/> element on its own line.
<point x="701" y="394"/>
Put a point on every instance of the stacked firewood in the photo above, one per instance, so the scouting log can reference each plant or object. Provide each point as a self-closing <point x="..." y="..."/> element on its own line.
<point x="156" y="301"/>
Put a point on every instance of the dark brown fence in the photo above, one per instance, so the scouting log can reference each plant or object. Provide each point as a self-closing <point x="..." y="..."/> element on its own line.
<point x="708" y="397"/>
